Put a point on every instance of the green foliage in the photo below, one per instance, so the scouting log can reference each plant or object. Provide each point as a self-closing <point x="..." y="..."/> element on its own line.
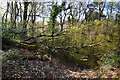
<point x="9" y="59"/>
<point x="16" y="33"/>
<point x="11" y="55"/>
<point x="111" y="59"/>
<point x="92" y="40"/>
<point x="11" y="32"/>
<point x="55" y="11"/>
<point x="53" y="15"/>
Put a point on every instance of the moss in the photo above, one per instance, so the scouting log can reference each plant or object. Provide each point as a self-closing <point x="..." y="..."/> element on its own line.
<point x="115" y="76"/>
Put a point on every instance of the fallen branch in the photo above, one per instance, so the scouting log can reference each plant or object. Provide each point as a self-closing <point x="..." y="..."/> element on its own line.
<point x="44" y="35"/>
<point x="82" y="46"/>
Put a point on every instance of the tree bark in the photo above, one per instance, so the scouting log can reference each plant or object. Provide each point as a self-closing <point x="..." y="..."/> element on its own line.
<point x="101" y="9"/>
<point x="25" y="15"/>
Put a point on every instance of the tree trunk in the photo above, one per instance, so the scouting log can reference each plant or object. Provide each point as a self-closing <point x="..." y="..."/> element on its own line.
<point x="25" y="18"/>
<point x="25" y="15"/>
<point x="11" y="18"/>
<point x="119" y="27"/>
<point x="101" y="9"/>
<point x="15" y="7"/>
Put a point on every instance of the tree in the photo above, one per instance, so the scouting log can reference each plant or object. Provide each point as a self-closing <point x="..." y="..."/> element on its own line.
<point x="54" y="13"/>
<point x="25" y="14"/>
<point x="101" y="6"/>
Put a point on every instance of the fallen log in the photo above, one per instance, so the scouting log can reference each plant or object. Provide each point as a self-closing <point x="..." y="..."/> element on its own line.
<point x="82" y="46"/>
<point x="44" y="36"/>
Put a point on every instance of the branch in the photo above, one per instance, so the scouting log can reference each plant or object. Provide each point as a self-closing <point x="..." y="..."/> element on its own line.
<point x="44" y="35"/>
<point x="37" y="37"/>
<point x="84" y="46"/>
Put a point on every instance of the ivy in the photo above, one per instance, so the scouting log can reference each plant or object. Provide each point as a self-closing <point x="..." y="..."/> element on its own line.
<point x="54" y="13"/>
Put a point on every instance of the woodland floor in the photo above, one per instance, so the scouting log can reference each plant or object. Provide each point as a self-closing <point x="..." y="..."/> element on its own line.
<point x="51" y="68"/>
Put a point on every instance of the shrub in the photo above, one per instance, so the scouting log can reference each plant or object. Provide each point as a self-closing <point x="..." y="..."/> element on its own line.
<point x="111" y="59"/>
<point x="11" y="54"/>
<point x="91" y="40"/>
